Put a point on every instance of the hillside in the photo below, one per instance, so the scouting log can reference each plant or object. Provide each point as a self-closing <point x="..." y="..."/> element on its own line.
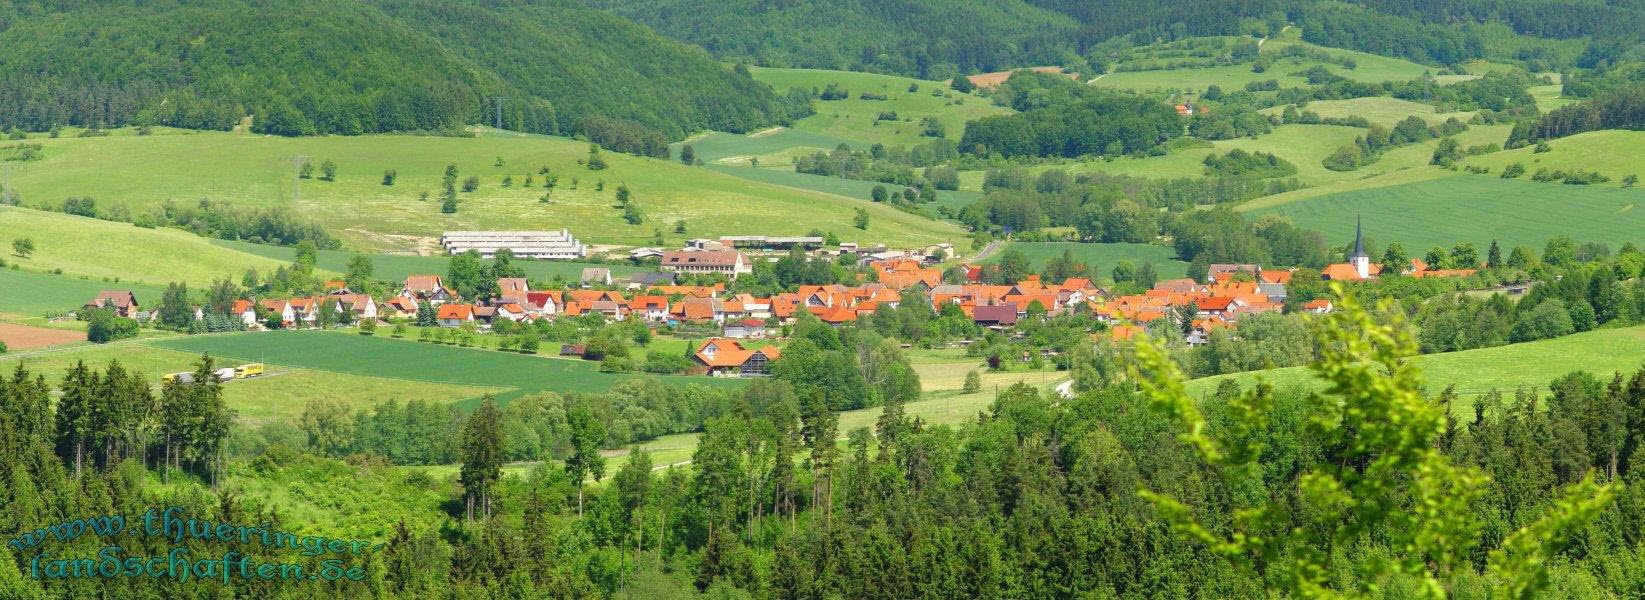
<point x="1468" y="208"/>
<point x="357" y="66"/>
<point x="261" y="171"/>
<point x="856" y="118"/>
<point x="1612" y="153"/>
<point x="120" y="251"/>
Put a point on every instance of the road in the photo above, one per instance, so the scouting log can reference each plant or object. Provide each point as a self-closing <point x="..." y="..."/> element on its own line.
<point x="988" y="251"/>
<point x="1066" y="389"/>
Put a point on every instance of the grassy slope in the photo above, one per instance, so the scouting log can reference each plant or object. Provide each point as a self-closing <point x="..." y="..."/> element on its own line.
<point x="257" y="170"/>
<point x="1613" y="153"/>
<point x="404" y="359"/>
<point x="24" y="293"/>
<point x="1371" y="68"/>
<point x="1102" y="257"/>
<point x="1303" y="145"/>
<point x="1503" y="367"/>
<point x="1472" y="208"/>
<point x="394" y="267"/>
<point x="1381" y="110"/>
<point x="99" y="249"/>
<point x="854" y="118"/>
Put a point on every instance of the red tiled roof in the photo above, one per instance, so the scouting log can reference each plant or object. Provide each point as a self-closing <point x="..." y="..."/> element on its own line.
<point x="455" y="311"/>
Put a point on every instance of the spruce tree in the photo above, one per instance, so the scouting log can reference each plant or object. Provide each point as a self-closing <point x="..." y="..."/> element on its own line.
<point x="482" y="458"/>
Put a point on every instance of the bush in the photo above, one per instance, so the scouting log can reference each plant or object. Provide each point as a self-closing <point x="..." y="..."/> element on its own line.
<point x="368" y="327"/>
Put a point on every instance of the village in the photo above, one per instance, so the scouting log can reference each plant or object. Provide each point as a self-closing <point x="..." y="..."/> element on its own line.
<point x="1182" y="307"/>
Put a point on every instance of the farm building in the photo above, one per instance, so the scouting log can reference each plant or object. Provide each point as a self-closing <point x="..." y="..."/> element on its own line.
<point x="729" y="262"/>
<point x="551" y="245"/>
<point x="123" y="302"/>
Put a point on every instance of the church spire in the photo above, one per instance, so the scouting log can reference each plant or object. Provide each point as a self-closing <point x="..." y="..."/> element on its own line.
<point x="1359" y="241"/>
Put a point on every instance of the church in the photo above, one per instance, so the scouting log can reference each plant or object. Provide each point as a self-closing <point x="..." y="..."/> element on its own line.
<point x="1359" y="266"/>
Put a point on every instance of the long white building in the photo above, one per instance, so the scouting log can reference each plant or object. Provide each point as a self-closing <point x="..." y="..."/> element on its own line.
<point x="553" y="245"/>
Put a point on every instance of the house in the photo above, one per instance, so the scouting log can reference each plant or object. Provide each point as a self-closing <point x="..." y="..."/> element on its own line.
<point x="399" y="306"/>
<point x="1218" y="306"/>
<point x="726" y="357"/>
<point x="485" y="314"/>
<point x="1000" y="315"/>
<point x="245" y="311"/>
<point x="279" y="307"/>
<point x="1275" y="292"/>
<point x="454" y="315"/>
<point x="543" y="304"/>
<point x="122" y="302"/>
<point x="1319" y="306"/>
<point x="593" y="276"/>
<point x="306" y="311"/>
<point x="427" y="287"/>
<point x="639" y="254"/>
<point x="746" y="328"/>
<point x="1183" y="286"/>
<point x="362" y="306"/>
<point x="649" y="308"/>
<point x="647" y="280"/>
<point x="510" y="312"/>
<point x="728" y="262"/>
<point x="1217" y="272"/>
<point x="512" y="289"/>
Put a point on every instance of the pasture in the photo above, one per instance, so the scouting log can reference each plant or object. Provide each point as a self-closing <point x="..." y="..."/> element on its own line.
<point x="30" y="294"/>
<point x="284" y="392"/>
<point x="1613" y="153"/>
<point x="1101" y="257"/>
<point x="1470" y="208"/>
<point x="856" y="119"/>
<point x="351" y="354"/>
<point x="1474" y="372"/>
<point x="119" y="251"/>
<point x="1369" y="68"/>
<point x="1380" y="110"/>
<point x="254" y="170"/>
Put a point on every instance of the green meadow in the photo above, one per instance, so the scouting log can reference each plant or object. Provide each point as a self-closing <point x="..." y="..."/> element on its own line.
<point x="1613" y="153"/>
<point x="1370" y="68"/>
<point x="374" y="356"/>
<point x="1381" y="110"/>
<point x="30" y="294"/>
<point x="857" y="119"/>
<point x="1469" y="208"/>
<point x="106" y="249"/>
<point x="1505" y="368"/>
<point x="1102" y="257"/>
<point x="255" y="170"/>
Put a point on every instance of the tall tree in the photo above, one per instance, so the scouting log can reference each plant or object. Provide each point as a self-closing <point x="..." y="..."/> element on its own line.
<point x="482" y="458"/>
<point x="587" y="434"/>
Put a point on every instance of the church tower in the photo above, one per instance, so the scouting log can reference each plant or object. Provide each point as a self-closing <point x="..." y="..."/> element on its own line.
<point x="1359" y="259"/>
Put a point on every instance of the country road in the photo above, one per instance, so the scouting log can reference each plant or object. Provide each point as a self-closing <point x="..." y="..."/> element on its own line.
<point x="988" y="251"/>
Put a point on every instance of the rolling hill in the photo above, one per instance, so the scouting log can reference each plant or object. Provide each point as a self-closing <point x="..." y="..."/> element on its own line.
<point x="358" y="66"/>
<point x="121" y="251"/>
<point x="254" y="170"/>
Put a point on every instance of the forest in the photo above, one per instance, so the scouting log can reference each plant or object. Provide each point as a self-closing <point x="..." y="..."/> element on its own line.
<point x="1128" y="489"/>
<point x="352" y="67"/>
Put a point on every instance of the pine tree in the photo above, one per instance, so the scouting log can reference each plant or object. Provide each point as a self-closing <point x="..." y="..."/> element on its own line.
<point x="482" y="458"/>
<point x="74" y="418"/>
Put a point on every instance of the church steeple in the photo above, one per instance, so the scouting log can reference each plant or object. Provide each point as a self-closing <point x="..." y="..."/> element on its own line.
<point x="1359" y="259"/>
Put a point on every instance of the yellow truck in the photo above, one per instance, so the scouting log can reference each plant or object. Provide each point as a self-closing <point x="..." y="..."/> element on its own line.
<point x="248" y="370"/>
<point x="183" y="377"/>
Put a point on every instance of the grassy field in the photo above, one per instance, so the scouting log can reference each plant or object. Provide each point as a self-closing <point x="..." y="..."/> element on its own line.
<point x="29" y="294"/>
<point x="352" y="354"/>
<point x="106" y="249"/>
<point x="1613" y="153"/>
<point x="1505" y="368"/>
<point x="395" y="267"/>
<point x="1370" y="68"/>
<point x="258" y="170"/>
<point x="1381" y="110"/>
<point x="854" y="118"/>
<point x="283" y="392"/>
<point x="1470" y="208"/>
<point x="1102" y="257"/>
